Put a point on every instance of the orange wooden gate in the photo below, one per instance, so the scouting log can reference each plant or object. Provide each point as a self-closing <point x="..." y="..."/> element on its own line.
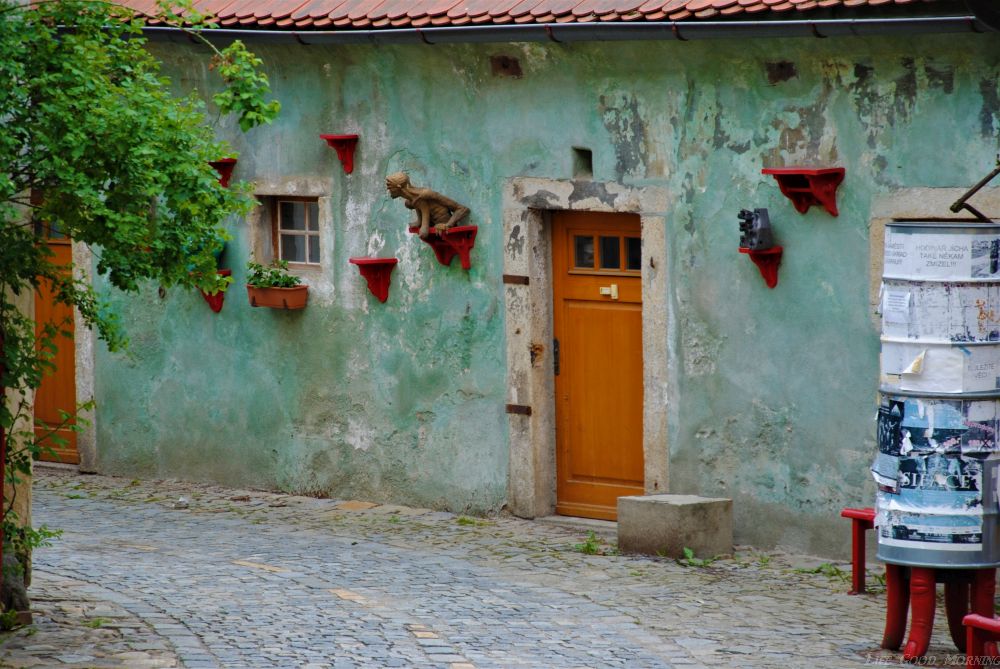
<point x="58" y="391"/>
<point x="597" y="306"/>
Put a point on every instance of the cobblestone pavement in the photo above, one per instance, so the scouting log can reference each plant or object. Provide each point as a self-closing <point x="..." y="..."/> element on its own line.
<point x="249" y="579"/>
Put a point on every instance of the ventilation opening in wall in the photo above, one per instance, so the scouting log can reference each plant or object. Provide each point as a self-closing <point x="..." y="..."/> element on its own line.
<point x="583" y="163"/>
<point x="506" y="66"/>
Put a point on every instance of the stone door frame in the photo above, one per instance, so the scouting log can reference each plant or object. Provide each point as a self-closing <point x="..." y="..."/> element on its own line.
<point x="527" y="269"/>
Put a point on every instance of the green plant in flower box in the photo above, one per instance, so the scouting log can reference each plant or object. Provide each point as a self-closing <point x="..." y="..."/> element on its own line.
<point x="274" y="275"/>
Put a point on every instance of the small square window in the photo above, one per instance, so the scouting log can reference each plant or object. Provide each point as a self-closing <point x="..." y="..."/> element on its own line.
<point x="296" y="231"/>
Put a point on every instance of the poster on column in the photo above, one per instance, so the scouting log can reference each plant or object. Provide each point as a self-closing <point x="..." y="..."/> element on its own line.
<point x="939" y="504"/>
<point x="940" y="368"/>
<point x="921" y="253"/>
<point x="940" y="312"/>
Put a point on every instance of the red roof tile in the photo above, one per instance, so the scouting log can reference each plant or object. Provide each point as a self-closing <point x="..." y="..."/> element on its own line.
<point x="375" y="14"/>
<point x="554" y="7"/>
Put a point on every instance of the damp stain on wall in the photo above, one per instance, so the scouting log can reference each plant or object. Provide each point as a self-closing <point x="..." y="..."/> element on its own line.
<point x="624" y="122"/>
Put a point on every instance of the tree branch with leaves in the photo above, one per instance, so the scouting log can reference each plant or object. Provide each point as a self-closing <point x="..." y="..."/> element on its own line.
<point x="93" y="144"/>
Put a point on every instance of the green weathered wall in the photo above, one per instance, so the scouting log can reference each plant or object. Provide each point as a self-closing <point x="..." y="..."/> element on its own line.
<point x="772" y="392"/>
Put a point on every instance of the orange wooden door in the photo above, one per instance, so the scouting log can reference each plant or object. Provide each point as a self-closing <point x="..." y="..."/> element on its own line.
<point x="58" y="390"/>
<point x="597" y="314"/>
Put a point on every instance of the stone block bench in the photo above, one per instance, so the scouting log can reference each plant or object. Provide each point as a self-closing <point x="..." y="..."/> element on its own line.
<point x="667" y="524"/>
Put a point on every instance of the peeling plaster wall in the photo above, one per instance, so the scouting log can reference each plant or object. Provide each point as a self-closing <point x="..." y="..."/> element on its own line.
<point x="771" y="392"/>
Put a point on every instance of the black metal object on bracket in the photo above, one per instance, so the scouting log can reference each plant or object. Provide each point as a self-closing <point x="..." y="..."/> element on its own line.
<point x="755" y="230"/>
<point x="963" y="202"/>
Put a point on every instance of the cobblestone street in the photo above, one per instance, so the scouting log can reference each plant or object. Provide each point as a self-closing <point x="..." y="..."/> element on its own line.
<point x="249" y="579"/>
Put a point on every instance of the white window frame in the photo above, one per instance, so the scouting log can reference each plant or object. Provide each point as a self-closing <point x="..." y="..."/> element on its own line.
<point x="277" y="231"/>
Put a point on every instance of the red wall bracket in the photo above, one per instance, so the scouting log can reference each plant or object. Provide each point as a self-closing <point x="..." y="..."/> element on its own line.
<point x="458" y="240"/>
<point x="376" y="272"/>
<point x="806" y="186"/>
<point x="344" y="145"/>
<point x="224" y="166"/>
<point x="767" y="261"/>
<point x="215" y="301"/>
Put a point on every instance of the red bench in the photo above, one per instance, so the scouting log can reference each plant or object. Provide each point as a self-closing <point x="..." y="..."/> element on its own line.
<point x="980" y="630"/>
<point x="862" y="520"/>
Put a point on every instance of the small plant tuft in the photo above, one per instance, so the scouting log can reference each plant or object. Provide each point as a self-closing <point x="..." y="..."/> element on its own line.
<point x="8" y="620"/>
<point x="474" y="522"/>
<point x="595" y="545"/>
<point x="689" y="560"/>
<point x="831" y="571"/>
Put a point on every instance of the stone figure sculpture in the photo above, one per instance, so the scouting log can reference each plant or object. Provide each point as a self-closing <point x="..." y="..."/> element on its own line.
<point x="432" y="208"/>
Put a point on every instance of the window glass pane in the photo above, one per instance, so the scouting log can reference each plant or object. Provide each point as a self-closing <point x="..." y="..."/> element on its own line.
<point x="293" y="248"/>
<point x="633" y="253"/>
<point x="43" y="229"/>
<point x="292" y="216"/>
<point x="313" y="215"/>
<point x="611" y="253"/>
<point x="314" y="249"/>
<point x="584" y="252"/>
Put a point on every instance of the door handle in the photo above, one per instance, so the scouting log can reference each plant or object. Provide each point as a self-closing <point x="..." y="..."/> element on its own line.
<point x="611" y="291"/>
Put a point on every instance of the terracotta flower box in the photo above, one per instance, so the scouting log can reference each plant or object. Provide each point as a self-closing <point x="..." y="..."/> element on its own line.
<point x="279" y="298"/>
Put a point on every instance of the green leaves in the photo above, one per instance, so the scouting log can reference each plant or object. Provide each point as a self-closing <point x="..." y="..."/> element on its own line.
<point x="689" y="560"/>
<point x="274" y="275"/>
<point x="90" y="128"/>
<point x="246" y="87"/>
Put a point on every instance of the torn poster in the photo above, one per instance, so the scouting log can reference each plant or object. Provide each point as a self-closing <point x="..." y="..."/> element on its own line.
<point x="917" y="425"/>
<point x="941" y="311"/>
<point x="939" y="501"/>
<point x="940" y="368"/>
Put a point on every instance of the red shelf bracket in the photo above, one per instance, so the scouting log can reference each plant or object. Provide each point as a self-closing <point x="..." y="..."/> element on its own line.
<point x="344" y="145"/>
<point x="454" y="241"/>
<point x="806" y="186"/>
<point x="376" y="272"/>
<point x="767" y="261"/>
<point x="215" y="301"/>
<point x="224" y="166"/>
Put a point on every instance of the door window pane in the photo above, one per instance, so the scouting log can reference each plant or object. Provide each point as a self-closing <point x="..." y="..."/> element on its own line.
<point x="584" y="252"/>
<point x="611" y="253"/>
<point x="633" y="253"/>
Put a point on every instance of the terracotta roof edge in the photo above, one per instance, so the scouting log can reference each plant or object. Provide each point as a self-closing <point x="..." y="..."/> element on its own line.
<point x="602" y="30"/>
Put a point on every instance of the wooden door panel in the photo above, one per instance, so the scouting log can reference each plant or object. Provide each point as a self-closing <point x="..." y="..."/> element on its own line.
<point x="58" y="390"/>
<point x="603" y="405"/>
<point x="599" y="387"/>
